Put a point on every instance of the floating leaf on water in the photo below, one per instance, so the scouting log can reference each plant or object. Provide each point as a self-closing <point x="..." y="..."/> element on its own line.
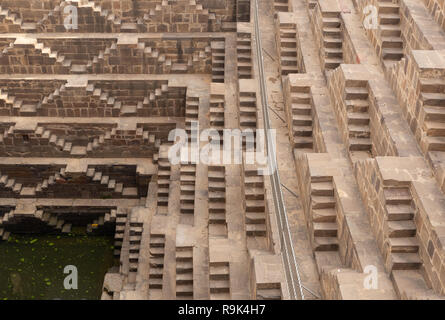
<point x="22" y="259"/>
<point x="33" y="241"/>
<point x="51" y="244"/>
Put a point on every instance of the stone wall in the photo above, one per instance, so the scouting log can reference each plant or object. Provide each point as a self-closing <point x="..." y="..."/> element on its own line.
<point x="80" y="140"/>
<point x="96" y="99"/>
<point x="117" y="16"/>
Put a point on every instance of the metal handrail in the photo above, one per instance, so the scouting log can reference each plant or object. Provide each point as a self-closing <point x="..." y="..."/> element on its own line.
<point x="289" y="261"/>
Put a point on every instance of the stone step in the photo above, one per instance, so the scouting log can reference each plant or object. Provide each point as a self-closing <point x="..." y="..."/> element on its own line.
<point x="397" y="196"/>
<point x="217" y="218"/>
<point x="401" y="229"/>
<point x="255" y="218"/>
<point x="392" y="42"/>
<point x="322" y="189"/>
<point x="325" y="244"/>
<point x="404" y="245"/>
<point x="255" y="205"/>
<point x="435" y="143"/>
<point x="324" y="215"/>
<point x="268" y="294"/>
<point x="302" y="120"/>
<point x="360" y="144"/>
<point x="356" y="118"/>
<point x="219" y="286"/>
<point x="400" y="212"/>
<point x="356" y="93"/>
<point x="388" y="7"/>
<point x="390" y="31"/>
<point x="405" y="261"/>
<point x="325" y="229"/>
<point x="302" y="131"/>
<point x="392" y="53"/>
<point x="322" y="202"/>
<point x="256" y="230"/>
<point x="155" y="283"/>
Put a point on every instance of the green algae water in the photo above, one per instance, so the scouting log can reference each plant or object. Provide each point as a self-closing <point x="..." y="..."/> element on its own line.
<point x="31" y="267"/>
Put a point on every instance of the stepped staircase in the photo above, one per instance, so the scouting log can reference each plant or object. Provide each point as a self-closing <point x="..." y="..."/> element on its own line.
<point x="105" y="18"/>
<point x="19" y="190"/>
<point x="217" y="103"/>
<point x="248" y="116"/>
<point x="40" y="188"/>
<point x="268" y="291"/>
<point x="56" y="56"/>
<point x="157" y="253"/>
<point x="187" y="185"/>
<point x="46" y="137"/>
<point x="50" y="219"/>
<point x="302" y="123"/>
<point x="191" y="114"/>
<point x="17" y="21"/>
<point x="218" y="60"/>
<point x="50" y="98"/>
<point x="184" y="272"/>
<point x="101" y="222"/>
<point x="219" y="274"/>
<point x="254" y="203"/>
<point x="243" y="10"/>
<point x="136" y="229"/>
<point x="324" y="215"/>
<point x="281" y="5"/>
<point x="359" y="130"/>
<point x="171" y="6"/>
<point x="432" y="97"/>
<point x="288" y="48"/>
<point x="109" y="15"/>
<point x="93" y="66"/>
<point x="169" y="62"/>
<point x="164" y="171"/>
<point x="105" y="97"/>
<point x="390" y="31"/>
<point x="402" y="246"/>
<point x="217" y="201"/>
<point x="120" y="217"/>
<point x="401" y="232"/>
<point x="244" y="55"/>
<point x="116" y="187"/>
<point x="332" y="40"/>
